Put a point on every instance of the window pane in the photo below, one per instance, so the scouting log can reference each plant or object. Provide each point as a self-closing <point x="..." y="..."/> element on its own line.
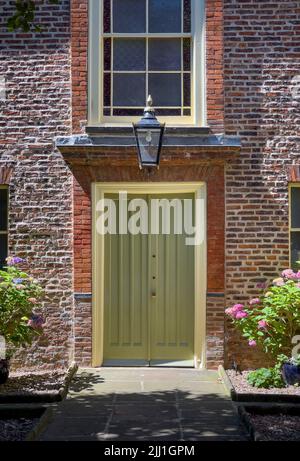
<point x="186" y="54"/>
<point x="107" y="54"/>
<point x="128" y="112"/>
<point x="187" y="16"/>
<point x="295" y="249"/>
<point x="186" y="89"/>
<point x="168" y="112"/>
<point x="165" y="89"/>
<point x="295" y="207"/>
<point x="106" y="16"/>
<point x="106" y="89"/>
<point x="3" y="209"/>
<point x="164" y="54"/>
<point x="129" y="89"/>
<point x="129" y="54"/>
<point x="3" y="250"/>
<point x="165" y="16"/>
<point x="129" y="16"/>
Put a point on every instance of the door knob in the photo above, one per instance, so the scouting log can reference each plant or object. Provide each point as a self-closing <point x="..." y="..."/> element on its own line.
<point x="153" y="295"/>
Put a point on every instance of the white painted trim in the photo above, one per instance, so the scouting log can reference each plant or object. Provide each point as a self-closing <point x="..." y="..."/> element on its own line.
<point x="95" y="71"/>
<point x="199" y="189"/>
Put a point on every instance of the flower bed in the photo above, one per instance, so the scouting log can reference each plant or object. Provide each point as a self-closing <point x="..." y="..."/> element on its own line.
<point x="13" y="430"/>
<point x="45" y="386"/>
<point x="276" y="427"/>
<point x="33" y="383"/>
<point x="241" y="386"/>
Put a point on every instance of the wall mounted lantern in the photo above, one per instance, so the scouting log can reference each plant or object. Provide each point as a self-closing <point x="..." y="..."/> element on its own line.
<point x="149" y="136"/>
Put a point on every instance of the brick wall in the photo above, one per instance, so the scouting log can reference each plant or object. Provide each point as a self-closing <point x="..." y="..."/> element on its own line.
<point x="37" y="108"/>
<point x="261" y="105"/>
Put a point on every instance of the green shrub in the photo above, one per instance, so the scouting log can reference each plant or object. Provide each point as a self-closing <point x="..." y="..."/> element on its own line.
<point x="272" y="319"/>
<point x="19" y="299"/>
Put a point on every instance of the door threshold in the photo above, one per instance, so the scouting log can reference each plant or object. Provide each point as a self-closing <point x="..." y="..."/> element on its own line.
<point x="149" y="364"/>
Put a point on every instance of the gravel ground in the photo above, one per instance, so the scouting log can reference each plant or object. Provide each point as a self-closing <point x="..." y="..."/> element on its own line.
<point x="28" y="383"/>
<point x="277" y="427"/>
<point x="16" y="429"/>
<point x="241" y="385"/>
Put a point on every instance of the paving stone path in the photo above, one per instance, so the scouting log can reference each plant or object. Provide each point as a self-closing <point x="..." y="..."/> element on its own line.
<point x="145" y="404"/>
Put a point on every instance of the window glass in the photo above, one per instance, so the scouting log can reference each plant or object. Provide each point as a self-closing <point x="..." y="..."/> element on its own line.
<point x="295" y="207"/>
<point x="165" y="16"/>
<point x="295" y="248"/>
<point x="137" y="64"/>
<point x="3" y="209"/>
<point x="129" y="16"/>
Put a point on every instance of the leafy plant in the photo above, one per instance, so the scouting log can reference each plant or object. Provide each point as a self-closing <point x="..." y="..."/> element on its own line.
<point x="272" y="319"/>
<point x="19" y="294"/>
<point x="266" y="378"/>
<point x="24" y="16"/>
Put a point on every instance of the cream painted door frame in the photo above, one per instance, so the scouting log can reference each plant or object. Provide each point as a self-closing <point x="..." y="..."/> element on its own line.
<point x="98" y="192"/>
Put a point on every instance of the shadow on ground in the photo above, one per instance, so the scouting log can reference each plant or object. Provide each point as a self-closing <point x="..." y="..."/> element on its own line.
<point x="133" y="407"/>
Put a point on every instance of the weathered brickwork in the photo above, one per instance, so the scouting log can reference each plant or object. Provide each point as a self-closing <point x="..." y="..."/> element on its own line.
<point x="37" y="108"/>
<point x="262" y="105"/>
<point x="252" y="65"/>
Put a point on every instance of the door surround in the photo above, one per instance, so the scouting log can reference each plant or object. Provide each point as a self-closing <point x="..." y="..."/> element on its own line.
<point x="98" y="192"/>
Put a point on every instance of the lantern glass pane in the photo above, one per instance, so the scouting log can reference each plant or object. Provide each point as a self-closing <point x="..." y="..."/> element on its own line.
<point x="148" y="141"/>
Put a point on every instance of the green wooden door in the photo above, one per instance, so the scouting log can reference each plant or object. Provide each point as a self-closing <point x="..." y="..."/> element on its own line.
<point x="149" y="295"/>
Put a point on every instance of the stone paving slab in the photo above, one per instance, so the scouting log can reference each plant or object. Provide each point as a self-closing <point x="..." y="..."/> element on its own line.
<point x="126" y="404"/>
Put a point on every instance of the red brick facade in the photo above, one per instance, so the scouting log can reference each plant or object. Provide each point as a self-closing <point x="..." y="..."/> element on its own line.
<point x="251" y="65"/>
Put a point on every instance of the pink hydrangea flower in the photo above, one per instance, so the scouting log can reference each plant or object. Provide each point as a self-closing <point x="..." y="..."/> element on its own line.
<point x="289" y="274"/>
<point x="241" y="315"/>
<point x="36" y="322"/>
<point x="262" y="324"/>
<point x="252" y="343"/>
<point x="32" y="300"/>
<point x="279" y="282"/>
<point x="254" y="301"/>
<point x="262" y="285"/>
<point x="298" y="275"/>
<point x="232" y="311"/>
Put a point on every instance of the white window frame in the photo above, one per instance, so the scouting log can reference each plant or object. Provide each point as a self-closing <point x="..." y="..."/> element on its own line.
<point x="292" y="229"/>
<point x="95" y="71"/>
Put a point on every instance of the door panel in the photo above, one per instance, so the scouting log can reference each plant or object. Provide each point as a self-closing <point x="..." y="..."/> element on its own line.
<point x="126" y="296"/>
<point x="172" y="310"/>
<point x="149" y="297"/>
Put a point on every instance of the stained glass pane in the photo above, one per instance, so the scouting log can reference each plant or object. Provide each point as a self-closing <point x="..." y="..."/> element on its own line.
<point x="186" y="54"/>
<point x="165" y="89"/>
<point x="186" y="89"/>
<point x="3" y="250"/>
<point x="129" y="16"/>
<point x="187" y="16"/>
<point x="129" y="89"/>
<point x="129" y="54"/>
<point x="106" y="111"/>
<point x="165" y="16"/>
<point x="187" y="112"/>
<point x="107" y="54"/>
<point x="295" y="250"/>
<point x="106" y="89"/>
<point x="3" y="209"/>
<point x="128" y="112"/>
<point x="295" y="207"/>
<point x="106" y="16"/>
<point x="168" y="112"/>
<point x="165" y="54"/>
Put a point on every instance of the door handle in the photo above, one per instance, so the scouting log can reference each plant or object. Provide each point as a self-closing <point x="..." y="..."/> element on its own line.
<point x="153" y="295"/>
